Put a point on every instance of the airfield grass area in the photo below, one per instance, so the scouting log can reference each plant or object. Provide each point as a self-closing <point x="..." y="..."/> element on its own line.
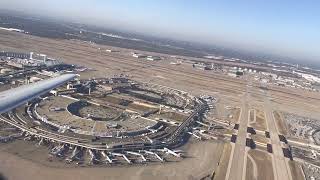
<point x="258" y="119"/>
<point x="280" y="123"/>
<point x="263" y="163"/>
<point x="221" y="170"/>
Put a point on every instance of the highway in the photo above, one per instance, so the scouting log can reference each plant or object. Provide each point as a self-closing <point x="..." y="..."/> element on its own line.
<point x="48" y="135"/>
<point x="180" y="129"/>
<point x="302" y="144"/>
<point x="37" y="131"/>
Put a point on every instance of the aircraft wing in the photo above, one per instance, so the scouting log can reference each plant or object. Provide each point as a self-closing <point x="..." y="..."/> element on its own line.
<point x="15" y="97"/>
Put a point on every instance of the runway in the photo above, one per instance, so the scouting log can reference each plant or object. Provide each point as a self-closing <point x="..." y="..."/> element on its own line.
<point x="281" y="166"/>
<point x="236" y="167"/>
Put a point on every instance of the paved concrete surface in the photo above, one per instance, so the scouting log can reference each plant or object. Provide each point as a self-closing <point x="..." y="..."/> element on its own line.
<point x="236" y="167"/>
<point x="281" y="166"/>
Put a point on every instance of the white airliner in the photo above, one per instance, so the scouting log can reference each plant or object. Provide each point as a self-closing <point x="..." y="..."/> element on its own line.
<point x="15" y="97"/>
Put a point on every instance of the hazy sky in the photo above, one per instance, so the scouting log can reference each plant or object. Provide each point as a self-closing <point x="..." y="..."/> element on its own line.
<point x="285" y="27"/>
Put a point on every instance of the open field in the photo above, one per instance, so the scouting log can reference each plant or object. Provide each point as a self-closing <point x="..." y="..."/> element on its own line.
<point x="260" y="123"/>
<point x="296" y="170"/>
<point x="206" y="161"/>
<point x="261" y="165"/>
<point x="251" y="169"/>
<point x="280" y="123"/>
<point x="260" y="138"/>
<point x="221" y="170"/>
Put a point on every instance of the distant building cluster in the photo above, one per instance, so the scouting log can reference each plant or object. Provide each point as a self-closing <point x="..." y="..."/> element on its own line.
<point x="147" y="57"/>
<point x="22" y="60"/>
<point x="207" y="66"/>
